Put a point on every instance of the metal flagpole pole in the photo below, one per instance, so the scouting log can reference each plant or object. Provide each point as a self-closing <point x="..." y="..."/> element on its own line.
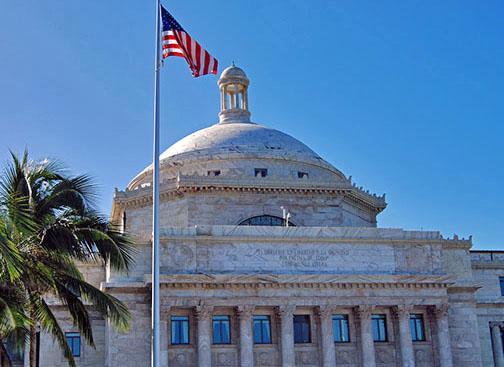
<point x="155" y="350"/>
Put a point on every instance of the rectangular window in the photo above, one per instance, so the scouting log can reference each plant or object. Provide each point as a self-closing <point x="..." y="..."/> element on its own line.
<point x="260" y="172"/>
<point x="340" y="327"/>
<point x="501" y="281"/>
<point x="179" y="330"/>
<point x="417" y="328"/>
<point x="262" y="329"/>
<point x="379" y="327"/>
<point x="73" y="340"/>
<point x="221" y="330"/>
<point x="302" y="332"/>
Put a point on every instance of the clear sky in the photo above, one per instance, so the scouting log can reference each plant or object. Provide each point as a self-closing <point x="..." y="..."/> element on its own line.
<point x="405" y="96"/>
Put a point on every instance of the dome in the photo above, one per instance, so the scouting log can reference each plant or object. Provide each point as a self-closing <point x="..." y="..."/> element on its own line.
<point x="245" y="139"/>
<point x="233" y="72"/>
<point x="237" y="143"/>
<point x="235" y="147"/>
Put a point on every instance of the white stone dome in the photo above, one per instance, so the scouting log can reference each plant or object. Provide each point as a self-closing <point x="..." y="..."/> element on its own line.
<point x="235" y="146"/>
<point x="233" y="72"/>
<point x="247" y="139"/>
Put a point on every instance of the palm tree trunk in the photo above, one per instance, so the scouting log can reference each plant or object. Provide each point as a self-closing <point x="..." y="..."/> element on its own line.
<point x="33" y="343"/>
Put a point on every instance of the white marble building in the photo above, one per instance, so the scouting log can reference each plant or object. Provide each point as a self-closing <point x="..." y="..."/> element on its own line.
<point x="240" y="288"/>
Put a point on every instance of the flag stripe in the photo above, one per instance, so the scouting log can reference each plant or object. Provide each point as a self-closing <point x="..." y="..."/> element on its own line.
<point x="177" y="42"/>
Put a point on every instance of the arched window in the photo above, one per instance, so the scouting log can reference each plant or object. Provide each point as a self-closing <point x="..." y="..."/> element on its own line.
<point x="265" y="220"/>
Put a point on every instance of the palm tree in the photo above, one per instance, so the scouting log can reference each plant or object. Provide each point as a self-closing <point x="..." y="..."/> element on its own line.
<point x="51" y="225"/>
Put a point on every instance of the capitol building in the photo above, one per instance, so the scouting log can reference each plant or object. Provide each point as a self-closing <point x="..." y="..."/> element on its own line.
<point x="271" y="256"/>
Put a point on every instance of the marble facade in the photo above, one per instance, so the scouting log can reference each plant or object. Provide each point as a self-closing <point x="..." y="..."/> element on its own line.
<point x="332" y="260"/>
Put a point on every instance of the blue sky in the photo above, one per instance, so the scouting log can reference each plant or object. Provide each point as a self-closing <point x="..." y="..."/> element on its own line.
<point x="405" y="96"/>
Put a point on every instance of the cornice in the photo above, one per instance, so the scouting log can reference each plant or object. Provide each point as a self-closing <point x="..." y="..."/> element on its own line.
<point x="219" y="281"/>
<point x="192" y="184"/>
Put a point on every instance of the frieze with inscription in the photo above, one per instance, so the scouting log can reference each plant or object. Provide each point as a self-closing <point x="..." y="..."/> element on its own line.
<point x="285" y="258"/>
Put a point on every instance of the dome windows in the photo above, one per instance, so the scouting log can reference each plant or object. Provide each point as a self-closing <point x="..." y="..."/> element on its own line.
<point x="260" y="172"/>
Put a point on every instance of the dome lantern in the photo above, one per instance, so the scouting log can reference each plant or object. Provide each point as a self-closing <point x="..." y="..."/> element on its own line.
<point x="233" y="84"/>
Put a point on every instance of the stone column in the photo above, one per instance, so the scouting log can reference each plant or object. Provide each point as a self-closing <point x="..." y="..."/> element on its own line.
<point x="165" y="336"/>
<point x="286" y="314"/>
<point x="497" y="344"/>
<point x="327" y="336"/>
<point x="246" y="336"/>
<point x="402" y="314"/>
<point x="440" y="314"/>
<point x="204" y="315"/>
<point x="363" y="313"/>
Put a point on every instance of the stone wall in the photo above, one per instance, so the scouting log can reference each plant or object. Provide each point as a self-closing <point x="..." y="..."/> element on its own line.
<point x="488" y="266"/>
<point x="51" y="354"/>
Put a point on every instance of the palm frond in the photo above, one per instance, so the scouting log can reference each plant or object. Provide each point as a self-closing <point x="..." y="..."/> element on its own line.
<point x="49" y="323"/>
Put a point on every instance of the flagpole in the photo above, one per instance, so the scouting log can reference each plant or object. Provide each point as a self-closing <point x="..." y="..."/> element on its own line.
<point x="155" y="342"/>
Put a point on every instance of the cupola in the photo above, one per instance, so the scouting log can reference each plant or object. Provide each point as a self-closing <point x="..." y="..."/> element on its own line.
<point x="233" y="84"/>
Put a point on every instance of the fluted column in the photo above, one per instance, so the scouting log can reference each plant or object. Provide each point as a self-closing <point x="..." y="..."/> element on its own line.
<point x="286" y="314"/>
<point x="402" y="313"/>
<point x="246" y="336"/>
<point x="440" y="314"/>
<point x="363" y="313"/>
<point x="497" y="344"/>
<point x="327" y="336"/>
<point x="203" y="315"/>
<point x="165" y="336"/>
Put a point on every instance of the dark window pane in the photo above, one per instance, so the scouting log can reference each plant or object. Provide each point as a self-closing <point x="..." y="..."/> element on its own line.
<point x="265" y="220"/>
<point x="379" y="328"/>
<point x="180" y="330"/>
<point x="262" y="329"/>
<point x="221" y="330"/>
<point x="417" y="327"/>
<point x="302" y="329"/>
<point x="73" y="340"/>
<point x="501" y="280"/>
<point x="340" y="327"/>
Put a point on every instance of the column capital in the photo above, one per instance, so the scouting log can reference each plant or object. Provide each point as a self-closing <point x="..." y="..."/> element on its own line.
<point x="325" y="311"/>
<point x="286" y="310"/>
<point x="203" y="311"/>
<point x="245" y="311"/>
<point x="363" y="311"/>
<point x="402" y="311"/>
<point x="499" y="324"/>
<point x="440" y="310"/>
<point x="165" y="312"/>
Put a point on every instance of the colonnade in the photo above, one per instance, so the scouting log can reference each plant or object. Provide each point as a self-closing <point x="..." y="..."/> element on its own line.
<point x="363" y="315"/>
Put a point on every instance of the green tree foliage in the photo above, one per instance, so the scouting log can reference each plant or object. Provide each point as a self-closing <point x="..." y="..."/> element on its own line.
<point x="48" y="225"/>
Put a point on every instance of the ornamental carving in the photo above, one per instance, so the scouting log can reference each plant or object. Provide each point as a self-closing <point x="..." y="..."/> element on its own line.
<point x="402" y="311"/>
<point x="245" y="311"/>
<point x="384" y="356"/>
<point x="440" y="310"/>
<point x="204" y="311"/>
<point x="363" y="311"/>
<point x="325" y="312"/>
<point x="286" y="311"/>
<point x="345" y="357"/>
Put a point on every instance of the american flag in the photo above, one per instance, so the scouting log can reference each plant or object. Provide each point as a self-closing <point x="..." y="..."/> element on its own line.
<point x="177" y="42"/>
